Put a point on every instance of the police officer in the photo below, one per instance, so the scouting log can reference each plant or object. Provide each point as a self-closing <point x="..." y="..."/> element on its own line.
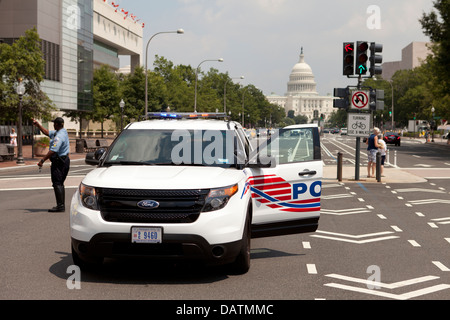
<point x="59" y="157"/>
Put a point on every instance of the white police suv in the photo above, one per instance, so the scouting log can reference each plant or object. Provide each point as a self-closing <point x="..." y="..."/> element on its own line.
<point x="193" y="187"/>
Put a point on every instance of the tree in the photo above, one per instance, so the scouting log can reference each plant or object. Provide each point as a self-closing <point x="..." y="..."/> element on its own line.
<point x="436" y="25"/>
<point x="106" y="96"/>
<point x="338" y="118"/>
<point x="23" y="61"/>
<point x="132" y="91"/>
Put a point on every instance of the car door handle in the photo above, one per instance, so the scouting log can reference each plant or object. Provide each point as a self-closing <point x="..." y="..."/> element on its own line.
<point x="307" y="173"/>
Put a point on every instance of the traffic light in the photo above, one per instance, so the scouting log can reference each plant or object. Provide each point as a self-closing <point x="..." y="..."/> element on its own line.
<point x="361" y="57"/>
<point x="344" y="98"/>
<point x="376" y="100"/>
<point x="349" y="58"/>
<point x="375" y="58"/>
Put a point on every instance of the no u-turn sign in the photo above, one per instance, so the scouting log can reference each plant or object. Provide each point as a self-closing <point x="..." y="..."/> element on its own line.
<point x="360" y="100"/>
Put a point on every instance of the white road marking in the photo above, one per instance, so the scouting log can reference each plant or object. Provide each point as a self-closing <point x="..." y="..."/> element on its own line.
<point x="414" y="243"/>
<point x="390" y="286"/>
<point x="420" y="214"/>
<point x="441" y="266"/>
<point x="311" y="268"/>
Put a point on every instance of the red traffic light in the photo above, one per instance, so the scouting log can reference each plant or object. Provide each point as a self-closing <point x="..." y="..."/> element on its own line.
<point x="363" y="46"/>
<point x="362" y="57"/>
<point x="349" y="59"/>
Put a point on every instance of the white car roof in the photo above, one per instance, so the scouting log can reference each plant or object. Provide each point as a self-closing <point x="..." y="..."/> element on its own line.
<point x="183" y="124"/>
<point x="301" y="126"/>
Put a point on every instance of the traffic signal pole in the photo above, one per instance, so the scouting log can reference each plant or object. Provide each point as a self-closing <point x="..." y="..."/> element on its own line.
<point x="355" y="66"/>
<point x="358" y="143"/>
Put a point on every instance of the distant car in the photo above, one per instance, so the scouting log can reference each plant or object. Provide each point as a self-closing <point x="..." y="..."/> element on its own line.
<point x="344" y="131"/>
<point x="392" y="138"/>
<point x="335" y="130"/>
<point x="326" y="130"/>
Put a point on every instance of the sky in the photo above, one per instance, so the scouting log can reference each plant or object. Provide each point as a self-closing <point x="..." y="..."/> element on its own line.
<point x="262" y="39"/>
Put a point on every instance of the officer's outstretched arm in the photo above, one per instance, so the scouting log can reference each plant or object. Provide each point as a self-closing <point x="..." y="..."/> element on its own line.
<point x="43" y="130"/>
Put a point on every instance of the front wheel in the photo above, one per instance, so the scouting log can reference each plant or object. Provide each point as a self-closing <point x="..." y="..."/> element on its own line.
<point x="242" y="263"/>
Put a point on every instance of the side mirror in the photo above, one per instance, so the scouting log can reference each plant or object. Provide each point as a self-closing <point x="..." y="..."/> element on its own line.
<point x="93" y="158"/>
<point x="240" y="158"/>
<point x="99" y="154"/>
<point x="90" y="159"/>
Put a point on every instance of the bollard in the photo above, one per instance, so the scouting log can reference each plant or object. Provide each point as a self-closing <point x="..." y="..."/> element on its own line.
<point x="378" y="167"/>
<point x="395" y="158"/>
<point x="339" y="166"/>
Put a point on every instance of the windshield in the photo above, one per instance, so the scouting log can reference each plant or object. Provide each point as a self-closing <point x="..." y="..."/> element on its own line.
<point x="293" y="146"/>
<point x="173" y="147"/>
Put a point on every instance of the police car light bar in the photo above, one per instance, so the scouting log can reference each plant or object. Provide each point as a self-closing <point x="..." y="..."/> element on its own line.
<point x="171" y="115"/>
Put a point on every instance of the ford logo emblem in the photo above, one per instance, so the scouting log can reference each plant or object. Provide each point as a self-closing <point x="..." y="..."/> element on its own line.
<point x="148" y="204"/>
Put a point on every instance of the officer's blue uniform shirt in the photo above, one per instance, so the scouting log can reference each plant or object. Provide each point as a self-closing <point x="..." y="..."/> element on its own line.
<point x="59" y="142"/>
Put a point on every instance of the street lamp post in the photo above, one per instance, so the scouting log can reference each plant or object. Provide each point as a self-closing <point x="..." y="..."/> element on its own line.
<point x="122" y="106"/>
<point x="393" y="122"/>
<point x="432" y="122"/>
<point x="179" y="31"/>
<point x="196" y="81"/>
<point x="244" y="89"/>
<point x="225" y="93"/>
<point x="20" y="92"/>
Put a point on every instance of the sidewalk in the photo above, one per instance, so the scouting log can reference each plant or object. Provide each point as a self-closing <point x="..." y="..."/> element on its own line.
<point x="391" y="175"/>
<point x="29" y="161"/>
<point x="437" y="140"/>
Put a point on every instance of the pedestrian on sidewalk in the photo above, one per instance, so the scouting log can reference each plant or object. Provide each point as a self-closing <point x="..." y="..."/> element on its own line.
<point x="58" y="154"/>
<point x="383" y="150"/>
<point x="372" y="151"/>
<point x="13" y="137"/>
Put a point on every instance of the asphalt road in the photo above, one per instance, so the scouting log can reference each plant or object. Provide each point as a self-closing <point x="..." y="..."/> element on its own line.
<point x="375" y="242"/>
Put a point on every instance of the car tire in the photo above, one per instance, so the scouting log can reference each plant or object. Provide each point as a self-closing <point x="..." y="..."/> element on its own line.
<point x="242" y="263"/>
<point x="85" y="263"/>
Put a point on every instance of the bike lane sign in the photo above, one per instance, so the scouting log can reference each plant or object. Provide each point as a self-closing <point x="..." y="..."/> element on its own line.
<point x="358" y="124"/>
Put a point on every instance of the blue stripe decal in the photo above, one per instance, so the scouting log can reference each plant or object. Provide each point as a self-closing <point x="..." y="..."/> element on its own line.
<point x="265" y="196"/>
<point x="300" y="206"/>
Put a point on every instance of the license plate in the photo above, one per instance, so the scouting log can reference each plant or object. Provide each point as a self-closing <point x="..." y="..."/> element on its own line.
<point x="146" y="235"/>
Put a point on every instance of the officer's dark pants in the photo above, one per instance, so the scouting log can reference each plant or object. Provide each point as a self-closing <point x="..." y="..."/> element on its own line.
<point x="59" y="170"/>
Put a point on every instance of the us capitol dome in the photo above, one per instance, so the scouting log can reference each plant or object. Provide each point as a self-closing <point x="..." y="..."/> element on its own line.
<point x="302" y="95"/>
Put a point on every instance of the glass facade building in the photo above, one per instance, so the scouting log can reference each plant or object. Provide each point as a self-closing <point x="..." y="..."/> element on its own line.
<point x="77" y="37"/>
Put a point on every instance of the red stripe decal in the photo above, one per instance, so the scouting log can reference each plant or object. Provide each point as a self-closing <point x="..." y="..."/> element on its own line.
<point x="269" y="180"/>
<point x="273" y="186"/>
<point x="278" y="192"/>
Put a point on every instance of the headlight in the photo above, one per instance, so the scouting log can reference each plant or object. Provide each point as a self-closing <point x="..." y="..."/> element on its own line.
<point x="218" y="198"/>
<point x="88" y="197"/>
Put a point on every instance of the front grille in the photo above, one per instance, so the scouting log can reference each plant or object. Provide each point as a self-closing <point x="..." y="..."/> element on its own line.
<point x="175" y="206"/>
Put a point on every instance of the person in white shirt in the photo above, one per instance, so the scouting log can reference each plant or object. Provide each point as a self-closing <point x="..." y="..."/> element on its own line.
<point x="13" y="136"/>
<point x="383" y="150"/>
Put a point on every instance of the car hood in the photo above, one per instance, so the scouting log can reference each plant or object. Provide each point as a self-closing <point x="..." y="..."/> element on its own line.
<point x="161" y="177"/>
